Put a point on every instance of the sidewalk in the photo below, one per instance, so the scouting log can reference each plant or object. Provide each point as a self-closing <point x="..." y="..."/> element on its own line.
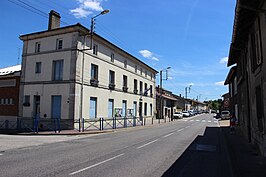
<point x="245" y="158"/>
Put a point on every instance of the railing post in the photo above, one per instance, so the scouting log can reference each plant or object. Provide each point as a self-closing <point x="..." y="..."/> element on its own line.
<point x="18" y="123"/>
<point x="114" y="122"/>
<point x="125" y="122"/>
<point x="134" y="121"/>
<point x="83" y="124"/>
<point x="144" y="121"/>
<point x="101" y="128"/>
<point x="6" y="124"/>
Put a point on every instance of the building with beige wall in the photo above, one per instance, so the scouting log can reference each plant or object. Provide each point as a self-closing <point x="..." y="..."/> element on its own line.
<point x="64" y="77"/>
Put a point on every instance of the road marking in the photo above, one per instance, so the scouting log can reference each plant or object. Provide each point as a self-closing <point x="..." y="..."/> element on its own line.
<point x="147" y="144"/>
<point x="185" y="120"/>
<point x="203" y="120"/>
<point x="191" y="120"/>
<point x="209" y="121"/>
<point x="197" y="120"/>
<point x="187" y="126"/>
<point x="83" y="169"/>
<point x="168" y="135"/>
<point x="180" y="129"/>
<point x="1" y="154"/>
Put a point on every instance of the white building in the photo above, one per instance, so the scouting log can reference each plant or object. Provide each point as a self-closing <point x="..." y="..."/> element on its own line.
<point x="63" y="78"/>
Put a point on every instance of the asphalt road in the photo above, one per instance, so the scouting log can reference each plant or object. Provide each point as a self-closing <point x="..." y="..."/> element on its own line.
<point x="141" y="151"/>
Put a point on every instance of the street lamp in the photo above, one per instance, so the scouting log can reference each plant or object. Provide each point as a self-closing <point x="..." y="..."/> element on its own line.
<point x="161" y="90"/>
<point x="83" y="58"/>
<point x="93" y="23"/>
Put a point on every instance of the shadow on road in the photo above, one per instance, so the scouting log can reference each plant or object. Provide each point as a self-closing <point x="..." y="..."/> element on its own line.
<point x="207" y="156"/>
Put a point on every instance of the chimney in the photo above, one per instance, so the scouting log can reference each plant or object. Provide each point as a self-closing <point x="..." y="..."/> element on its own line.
<point x="54" y="20"/>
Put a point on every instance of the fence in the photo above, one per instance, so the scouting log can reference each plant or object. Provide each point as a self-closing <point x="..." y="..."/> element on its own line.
<point x="81" y="125"/>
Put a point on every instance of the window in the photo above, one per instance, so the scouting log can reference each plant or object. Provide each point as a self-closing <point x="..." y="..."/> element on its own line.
<point x="145" y="73"/>
<point x="125" y="64"/>
<point x="125" y="83"/>
<point x="37" y="47"/>
<point x="95" y="49"/>
<point x="140" y="87"/>
<point x="151" y="94"/>
<point x="59" y="44"/>
<point x="11" y="101"/>
<point x="124" y="108"/>
<point x="135" y="109"/>
<point x="26" y="100"/>
<point x="56" y="107"/>
<point x="94" y="72"/>
<point x="2" y="101"/>
<point x="93" y="108"/>
<point x="112" y="57"/>
<point x="38" y="67"/>
<point x="58" y="70"/>
<point x="135" y="86"/>
<point x="110" y="108"/>
<point x="145" y="89"/>
<point x="111" y="80"/>
<point x="151" y="76"/>
<point x="136" y="68"/>
<point x="140" y="71"/>
<point x="145" y="109"/>
<point x="150" y="109"/>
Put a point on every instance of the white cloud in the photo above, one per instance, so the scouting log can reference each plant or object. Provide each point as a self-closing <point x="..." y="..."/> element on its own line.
<point x="221" y="83"/>
<point x="223" y="60"/>
<point x="86" y="7"/>
<point x="191" y="84"/>
<point x="148" y="54"/>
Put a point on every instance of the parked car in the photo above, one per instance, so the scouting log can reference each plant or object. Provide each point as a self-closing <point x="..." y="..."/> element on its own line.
<point x="185" y="114"/>
<point x="191" y="113"/>
<point x="225" y="115"/>
<point x="178" y="115"/>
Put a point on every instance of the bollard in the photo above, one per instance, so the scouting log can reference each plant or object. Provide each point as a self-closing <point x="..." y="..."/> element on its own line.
<point x="114" y="122"/>
<point x="134" y="121"/>
<point x="83" y="124"/>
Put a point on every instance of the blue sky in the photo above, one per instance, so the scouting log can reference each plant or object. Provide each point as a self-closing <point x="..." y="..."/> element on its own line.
<point x="190" y="36"/>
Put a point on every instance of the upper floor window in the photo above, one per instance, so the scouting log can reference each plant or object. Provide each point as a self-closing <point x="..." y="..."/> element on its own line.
<point x="37" y="47"/>
<point x="140" y="71"/>
<point x="95" y="49"/>
<point x="38" y="67"/>
<point x="125" y="83"/>
<point x="151" y="94"/>
<point x="135" y="86"/>
<point x="94" y="72"/>
<point x="145" y="73"/>
<point x="112" y="57"/>
<point x="140" y="87"/>
<point x="58" y="69"/>
<point x="111" y="77"/>
<point x="125" y="64"/>
<point x="59" y="44"/>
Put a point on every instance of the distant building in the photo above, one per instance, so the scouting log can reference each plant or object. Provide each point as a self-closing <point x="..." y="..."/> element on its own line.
<point x="9" y="93"/>
<point x="64" y="77"/>
<point x="248" y="52"/>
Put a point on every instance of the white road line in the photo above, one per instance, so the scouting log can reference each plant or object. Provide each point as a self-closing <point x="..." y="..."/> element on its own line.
<point x="147" y="144"/>
<point x="209" y="121"/>
<point x="191" y="120"/>
<point x="187" y="126"/>
<point x="1" y="154"/>
<point x="83" y="169"/>
<point x="203" y="120"/>
<point x="180" y="129"/>
<point x="168" y="135"/>
<point x="197" y="120"/>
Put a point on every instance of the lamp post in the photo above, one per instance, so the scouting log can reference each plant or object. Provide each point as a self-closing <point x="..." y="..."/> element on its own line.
<point x="83" y="59"/>
<point x="161" y="90"/>
<point x="93" y="23"/>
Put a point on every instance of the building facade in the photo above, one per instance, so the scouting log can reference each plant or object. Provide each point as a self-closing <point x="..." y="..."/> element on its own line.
<point x="9" y="92"/>
<point x="248" y="52"/>
<point x="64" y="77"/>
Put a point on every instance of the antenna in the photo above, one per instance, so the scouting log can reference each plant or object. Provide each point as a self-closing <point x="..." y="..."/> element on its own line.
<point x="18" y="56"/>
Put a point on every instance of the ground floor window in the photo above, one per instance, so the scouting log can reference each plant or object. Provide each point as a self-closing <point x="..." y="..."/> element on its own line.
<point x="150" y="109"/>
<point x="110" y="108"/>
<point x="124" y="108"/>
<point x="93" y="108"/>
<point x="145" y="109"/>
<point x="135" y="109"/>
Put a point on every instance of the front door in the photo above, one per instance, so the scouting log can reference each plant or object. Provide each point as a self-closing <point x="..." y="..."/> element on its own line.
<point x="56" y="107"/>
